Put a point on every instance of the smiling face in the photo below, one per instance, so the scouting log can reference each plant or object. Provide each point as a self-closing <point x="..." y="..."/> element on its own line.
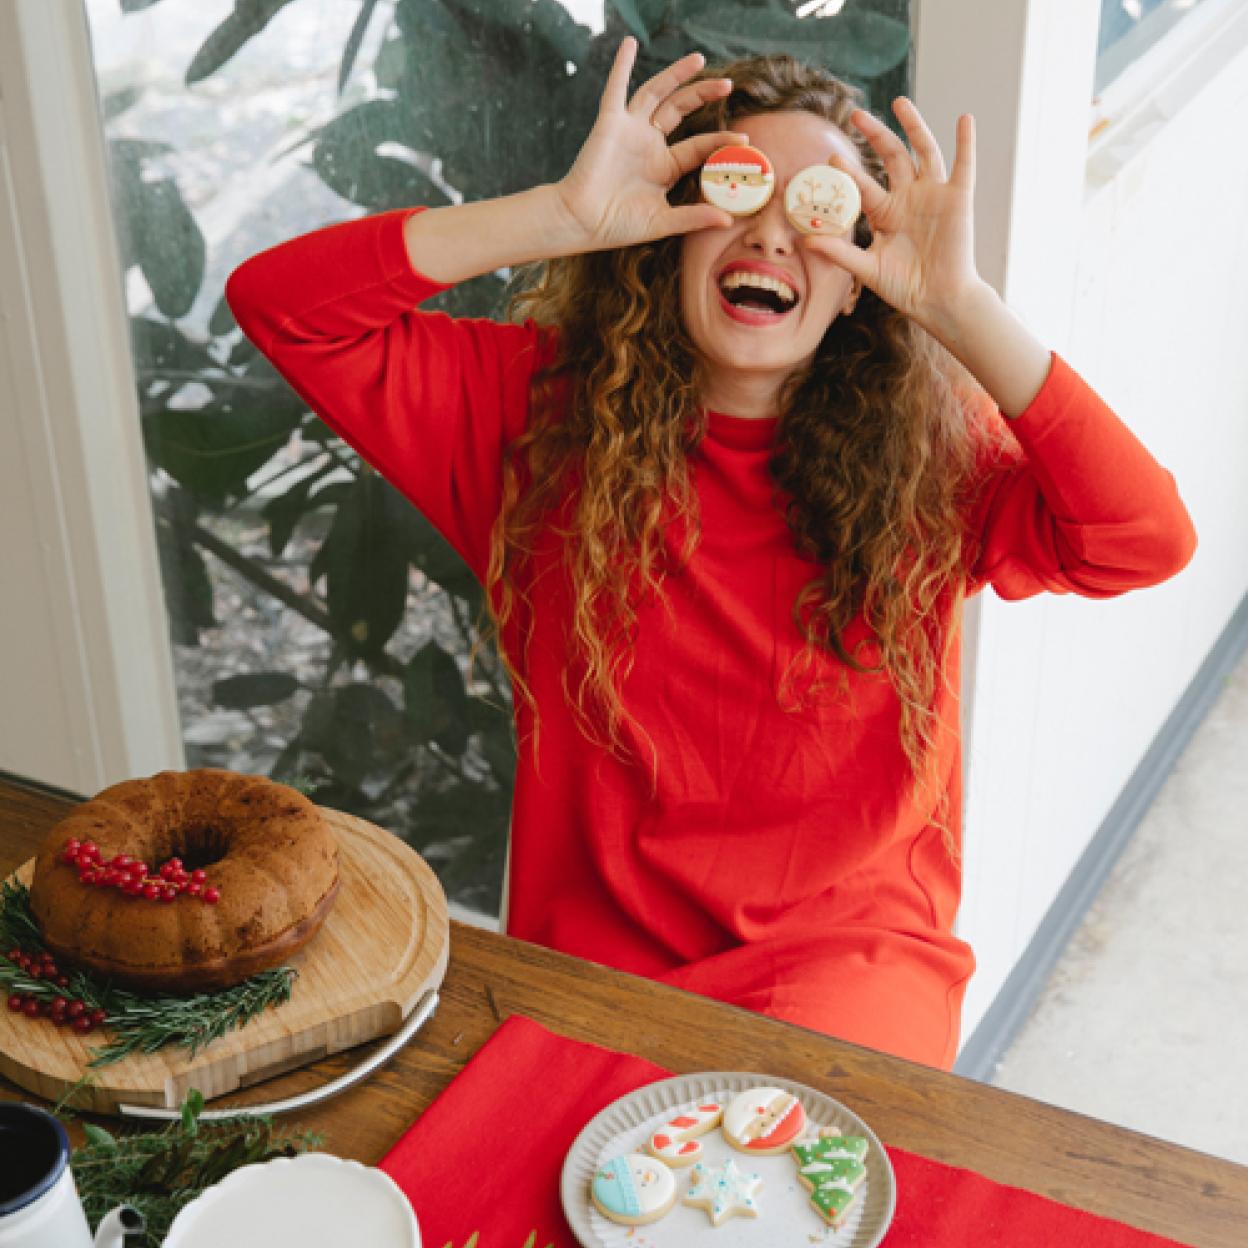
<point x="755" y="299"/>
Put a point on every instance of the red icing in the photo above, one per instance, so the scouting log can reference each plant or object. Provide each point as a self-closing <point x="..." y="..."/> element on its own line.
<point x="692" y="1146"/>
<point x="682" y="1122"/>
<point x="661" y="1141"/>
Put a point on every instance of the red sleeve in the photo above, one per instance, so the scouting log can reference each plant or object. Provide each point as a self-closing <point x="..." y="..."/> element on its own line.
<point x="428" y="400"/>
<point x="1074" y="502"/>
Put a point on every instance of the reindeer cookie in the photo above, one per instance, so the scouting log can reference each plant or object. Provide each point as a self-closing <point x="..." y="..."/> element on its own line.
<point x="822" y="200"/>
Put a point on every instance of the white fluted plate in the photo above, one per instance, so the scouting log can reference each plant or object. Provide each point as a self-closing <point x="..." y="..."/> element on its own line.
<point x="786" y="1215"/>
<point x="314" y="1200"/>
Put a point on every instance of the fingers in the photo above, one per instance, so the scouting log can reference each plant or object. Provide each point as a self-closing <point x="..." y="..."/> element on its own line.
<point x="654" y="92"/>
<point x="690" y="217"/>
<point x="872" y="193"/>
<point x="615" y="93"/>
<point x="964" y="154"/>
<point x="681" y="103"/>
<point x="691" y="153"/>
<point x="931" y="162"/>
<point x="890" y="149"/>
<point x="855" y="260"/>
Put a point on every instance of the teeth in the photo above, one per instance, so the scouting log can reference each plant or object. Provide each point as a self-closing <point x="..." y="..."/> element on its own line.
<point x="741" y="277"/>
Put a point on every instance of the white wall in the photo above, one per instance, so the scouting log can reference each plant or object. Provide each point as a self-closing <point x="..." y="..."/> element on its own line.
<point x="1067" y="693"/>
<point x="86" y="688"/>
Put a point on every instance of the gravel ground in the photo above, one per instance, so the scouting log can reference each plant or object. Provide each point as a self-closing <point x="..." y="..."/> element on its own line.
<point x="256" y="633"/>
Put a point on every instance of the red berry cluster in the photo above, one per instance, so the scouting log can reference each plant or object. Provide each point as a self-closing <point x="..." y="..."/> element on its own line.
<point x="132" y="877"/>
<point x="63" y="1011"/>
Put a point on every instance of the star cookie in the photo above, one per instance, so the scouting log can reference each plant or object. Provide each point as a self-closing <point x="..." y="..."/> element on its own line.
<point x="723" y="1191"/>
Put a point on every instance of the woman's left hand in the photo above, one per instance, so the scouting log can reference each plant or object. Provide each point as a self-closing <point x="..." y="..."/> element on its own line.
<point x="921" y="258"/>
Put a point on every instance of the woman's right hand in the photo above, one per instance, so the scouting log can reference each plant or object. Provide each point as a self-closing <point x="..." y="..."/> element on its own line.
<point x="615" y="194"/>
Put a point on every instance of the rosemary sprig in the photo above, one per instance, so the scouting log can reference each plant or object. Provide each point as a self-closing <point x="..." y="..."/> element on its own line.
<point x="160" y="1171"/>
<point x="139" y="1023"/>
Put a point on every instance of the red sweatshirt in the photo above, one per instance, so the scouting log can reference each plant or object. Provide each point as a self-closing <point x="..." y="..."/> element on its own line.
<point x="780" y="865"/>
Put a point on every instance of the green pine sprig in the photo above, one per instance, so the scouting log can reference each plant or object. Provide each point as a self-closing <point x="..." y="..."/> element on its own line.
<point x="138" y="1023"/>
<point x="158" y="1172"/>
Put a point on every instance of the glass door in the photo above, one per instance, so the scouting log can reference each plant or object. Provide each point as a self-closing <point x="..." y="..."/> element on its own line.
<point x="321" y="628"/>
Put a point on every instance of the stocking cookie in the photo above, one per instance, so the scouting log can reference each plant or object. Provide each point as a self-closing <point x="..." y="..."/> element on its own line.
<point x="633" y="1189"/>
<point x="723" y="1191"/>
<point x="676" y="1141"/>
<point x="738" y="179"/>
<point x="764" y="1121"/>
<point x="822" y="200"/>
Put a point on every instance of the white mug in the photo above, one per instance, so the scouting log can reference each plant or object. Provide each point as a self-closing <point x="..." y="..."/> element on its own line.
<point x="39" y="1205"/>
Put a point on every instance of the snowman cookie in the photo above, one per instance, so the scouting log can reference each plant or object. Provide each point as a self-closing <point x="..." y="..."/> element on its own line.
<point x="633" y="1189"/>
<point x="822" y="200"/>
<point x="764" y="1121"/>
<point x="738" y="179"/>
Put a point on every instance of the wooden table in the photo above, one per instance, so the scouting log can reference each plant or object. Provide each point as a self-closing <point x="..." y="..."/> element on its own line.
<point x="1080" y="1161"/>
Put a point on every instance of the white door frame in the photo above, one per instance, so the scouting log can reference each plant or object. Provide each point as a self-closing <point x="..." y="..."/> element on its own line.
<point x="83" y="607"/>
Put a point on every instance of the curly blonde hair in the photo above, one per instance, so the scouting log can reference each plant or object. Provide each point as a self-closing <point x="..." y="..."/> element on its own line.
<point x="875" y="453"/>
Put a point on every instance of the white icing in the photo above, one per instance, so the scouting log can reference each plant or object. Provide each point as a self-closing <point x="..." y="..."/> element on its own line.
<point x="653" y="1183"/>
<point x="723" y="1191"/>
<point x="744" y="1111"/>
<point x="704" y="1116"/>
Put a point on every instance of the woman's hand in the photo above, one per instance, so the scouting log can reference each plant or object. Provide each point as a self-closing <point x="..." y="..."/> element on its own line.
<point x="921" y="258"/>
<point x="615" y="194"/>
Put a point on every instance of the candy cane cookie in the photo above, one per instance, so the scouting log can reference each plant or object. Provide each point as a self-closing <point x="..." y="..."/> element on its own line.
<point x="676" y="1142"/>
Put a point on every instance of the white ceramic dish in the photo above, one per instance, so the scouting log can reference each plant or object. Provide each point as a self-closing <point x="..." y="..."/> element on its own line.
<point x="314" y="1200"/>
<point x="786" y="1215"/>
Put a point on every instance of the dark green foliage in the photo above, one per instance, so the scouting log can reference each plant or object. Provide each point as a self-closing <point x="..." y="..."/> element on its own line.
<point x="158" y="1172"/>
<point x="500" y="93"/>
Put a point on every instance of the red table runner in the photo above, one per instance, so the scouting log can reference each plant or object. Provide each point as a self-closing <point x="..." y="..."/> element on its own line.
<point x="486" y="1157"/>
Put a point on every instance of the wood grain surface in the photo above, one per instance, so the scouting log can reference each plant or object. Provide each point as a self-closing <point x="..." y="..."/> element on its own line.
<point x="383" y="944"/>
<point x="1189" y="1196"/>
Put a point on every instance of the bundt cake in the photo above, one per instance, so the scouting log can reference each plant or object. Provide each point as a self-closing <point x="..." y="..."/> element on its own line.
<point x="185" y="881"/>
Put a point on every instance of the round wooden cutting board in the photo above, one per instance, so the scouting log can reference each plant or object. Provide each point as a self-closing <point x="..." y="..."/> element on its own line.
<point x="385" y="942"/>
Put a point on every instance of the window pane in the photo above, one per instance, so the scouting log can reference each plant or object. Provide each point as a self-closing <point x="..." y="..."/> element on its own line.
<point x="227" y="133"/>
<point x="1129" y="28"/>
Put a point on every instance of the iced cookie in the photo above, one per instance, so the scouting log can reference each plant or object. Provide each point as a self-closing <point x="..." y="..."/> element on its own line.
<point x="822" y="200"/>
<point x="764" y="1121"/>
<point x="676" y="1141"/>
<point x="832" y="1167"/>
<point x="738" y="179"/>
<point x="633" y="1189"/>
<point x="723" y="1191"/>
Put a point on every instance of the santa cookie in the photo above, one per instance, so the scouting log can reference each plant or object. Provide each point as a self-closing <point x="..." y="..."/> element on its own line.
<point x="738" y="179"/>
<point x="822" y="200"/>
<point x="633" y="1189"/>
<point x="764" y="1121"/>
<point x="676" y="1142"/>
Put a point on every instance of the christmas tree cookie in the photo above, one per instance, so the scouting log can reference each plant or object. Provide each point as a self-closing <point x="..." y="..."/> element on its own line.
<point x="833" y="1168"/>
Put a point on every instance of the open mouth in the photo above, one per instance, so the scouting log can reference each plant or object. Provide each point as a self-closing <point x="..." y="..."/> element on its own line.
<point x="757" y="293"/>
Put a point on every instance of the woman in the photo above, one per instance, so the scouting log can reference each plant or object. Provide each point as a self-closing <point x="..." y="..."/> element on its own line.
<point x="727" y="527"/>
